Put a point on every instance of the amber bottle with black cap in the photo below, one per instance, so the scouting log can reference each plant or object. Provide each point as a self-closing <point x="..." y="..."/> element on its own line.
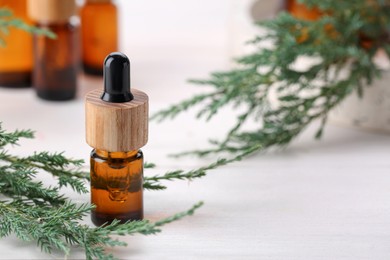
<point x="99" y="34"/>
<point x="56" y="61"/>
<point x="116" y="127"/>
<point x="16" y="57"/>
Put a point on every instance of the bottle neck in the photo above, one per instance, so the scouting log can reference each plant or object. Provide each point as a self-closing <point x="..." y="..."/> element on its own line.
<point x="63" y="23"/>
<point x="116" y="155"/>
<point x="51" y="11"/>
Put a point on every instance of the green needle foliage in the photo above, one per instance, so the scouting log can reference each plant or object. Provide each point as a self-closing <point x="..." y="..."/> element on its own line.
<point x="58" y="228"/>
<point x="8" y="21"/>
<point x="282" y="99"/>
<point x="34" y="212"/>
<point x="155" y="182"/>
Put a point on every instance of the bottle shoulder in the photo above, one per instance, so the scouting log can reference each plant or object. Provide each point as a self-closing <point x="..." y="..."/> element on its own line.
<point x="104" y="155"/>
<point x="70" y="25"/>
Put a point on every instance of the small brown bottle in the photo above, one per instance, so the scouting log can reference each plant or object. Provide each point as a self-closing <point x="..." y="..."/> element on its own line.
<point x="99" y="34"/>
<point x="116" y="127"/>
<point x="56" y="61"/>
<point x="301" y="11"/>
<point x="16" y="57"/>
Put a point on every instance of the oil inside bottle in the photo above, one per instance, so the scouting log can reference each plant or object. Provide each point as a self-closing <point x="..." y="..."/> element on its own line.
<point x="116" y="186"/>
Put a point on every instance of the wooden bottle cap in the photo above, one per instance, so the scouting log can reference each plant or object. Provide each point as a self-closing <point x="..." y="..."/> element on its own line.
<point x="117" y="127"/>
<point x="51" y="11"/>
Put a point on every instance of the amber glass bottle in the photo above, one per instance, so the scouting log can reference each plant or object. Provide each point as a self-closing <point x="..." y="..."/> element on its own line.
<point x="16" y="57"/>
<point x="116" y="127"/>
<point x="99" y="34"/>
<point x="366" y="38"/>
<point x="116" y="186"/>
<point x="301" y="11"/>
<point x="56" y="61"/>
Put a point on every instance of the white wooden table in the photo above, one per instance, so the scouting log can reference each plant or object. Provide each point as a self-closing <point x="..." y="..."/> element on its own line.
<point x="316" y="200"/>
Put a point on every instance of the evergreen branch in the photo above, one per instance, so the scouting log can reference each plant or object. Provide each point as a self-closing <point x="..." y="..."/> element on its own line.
<point x="17" y="173"/>
<point x="14" y="137"/>
<point x="66" y="170"/>
<point x="53" y="160"/>
<point x="178" y="216"/>
<point x="58" y="165"/>
<point x="154" y="182"/>
<point x="46" y="225"/>
<point x="176" y="109"/>
<point x="347" y="40"/>
<point x="100" y="236"/>
<point x="34" y="212"/>
<point x="145" y="227"/>
<point x="148" y="165"/>
<point x="57" y="228"/>
<point x="19" y="184"/>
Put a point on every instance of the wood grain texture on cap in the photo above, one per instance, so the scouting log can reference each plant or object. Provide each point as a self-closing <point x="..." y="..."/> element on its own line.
<point x="116" y="127"/>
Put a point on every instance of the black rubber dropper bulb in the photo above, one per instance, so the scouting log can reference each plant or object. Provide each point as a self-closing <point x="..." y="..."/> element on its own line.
<point x="116" y="74"/>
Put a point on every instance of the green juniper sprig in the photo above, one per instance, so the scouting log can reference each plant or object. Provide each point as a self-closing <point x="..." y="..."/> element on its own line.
<point x="67" y="170"/>
<point x="8" y="21"/>
<point x="155" y="182"/>
<point x="34" y="212"/>
<point x="17" y="174"/>
<point x="58" y="228"/>
<point x="54" y="163"/>
<point x="281" y="99"/>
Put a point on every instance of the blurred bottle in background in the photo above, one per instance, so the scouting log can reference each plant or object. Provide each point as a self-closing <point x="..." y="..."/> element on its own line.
<point x="16" y="57"/>
<point x="56" y="61"/>
<point x="301" y="11"/>
<point x="99" y="34"/>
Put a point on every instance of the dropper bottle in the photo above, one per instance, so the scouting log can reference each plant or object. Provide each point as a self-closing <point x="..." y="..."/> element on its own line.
<point x="116" y="127"/>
